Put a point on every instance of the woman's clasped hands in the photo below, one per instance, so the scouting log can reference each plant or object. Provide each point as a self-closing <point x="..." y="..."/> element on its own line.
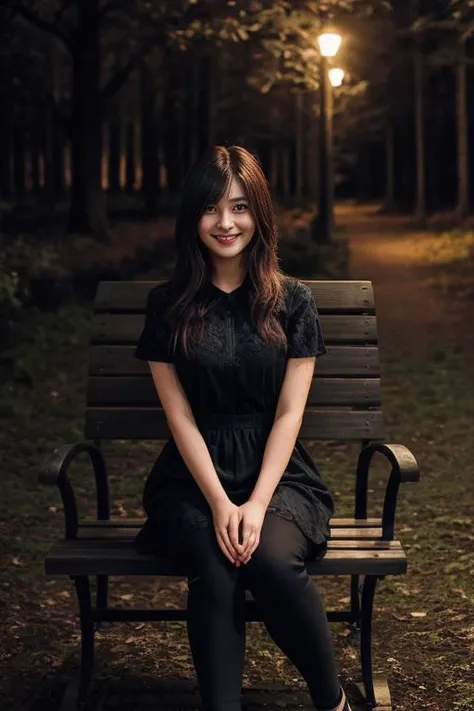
<point x="228" y="519"/>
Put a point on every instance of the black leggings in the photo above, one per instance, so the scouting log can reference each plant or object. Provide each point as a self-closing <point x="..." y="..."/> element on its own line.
<point x="291" y="607"/>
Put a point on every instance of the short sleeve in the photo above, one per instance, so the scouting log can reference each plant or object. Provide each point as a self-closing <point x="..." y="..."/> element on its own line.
<point x="304" y="333"/>
<point x="154" y="342"/>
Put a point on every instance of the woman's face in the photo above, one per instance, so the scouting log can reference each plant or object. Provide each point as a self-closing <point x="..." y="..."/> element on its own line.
<point x="228" y="226"/>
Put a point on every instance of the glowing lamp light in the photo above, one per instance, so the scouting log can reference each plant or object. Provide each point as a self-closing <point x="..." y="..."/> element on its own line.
<point x="329" y="43"/>
<point x="336" y="76"/>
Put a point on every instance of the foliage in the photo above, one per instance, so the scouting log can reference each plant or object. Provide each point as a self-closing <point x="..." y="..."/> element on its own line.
<point x="9" y="282"/>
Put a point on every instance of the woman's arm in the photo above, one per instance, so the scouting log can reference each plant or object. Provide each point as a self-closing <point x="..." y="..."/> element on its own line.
<point x="286" y="426"/>
<point x="186" y="434"/>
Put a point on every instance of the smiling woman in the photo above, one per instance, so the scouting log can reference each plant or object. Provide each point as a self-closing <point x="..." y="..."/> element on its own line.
<point x="231" y="343"/>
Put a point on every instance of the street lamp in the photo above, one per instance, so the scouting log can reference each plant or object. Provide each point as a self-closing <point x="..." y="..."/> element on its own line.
<point x="336" y="76"/>
<point x="329" y="43"/>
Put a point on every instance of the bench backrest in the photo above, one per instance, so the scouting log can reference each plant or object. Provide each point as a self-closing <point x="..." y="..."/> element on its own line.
<point x="344" y="400"/>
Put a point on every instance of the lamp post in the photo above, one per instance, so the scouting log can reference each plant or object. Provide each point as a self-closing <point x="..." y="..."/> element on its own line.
<point x="329" y="43"/>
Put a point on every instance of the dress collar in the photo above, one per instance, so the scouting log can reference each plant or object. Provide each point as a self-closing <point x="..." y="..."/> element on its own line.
<point x="237" y="292"/>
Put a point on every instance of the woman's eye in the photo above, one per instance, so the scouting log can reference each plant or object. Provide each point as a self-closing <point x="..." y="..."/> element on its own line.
<point x="209" y="208"/>
<point x="241" y="205"/>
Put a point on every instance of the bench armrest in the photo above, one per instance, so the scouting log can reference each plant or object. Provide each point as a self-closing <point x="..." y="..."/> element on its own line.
<point x="404" y="468"/>
<point x="54" y="472"/>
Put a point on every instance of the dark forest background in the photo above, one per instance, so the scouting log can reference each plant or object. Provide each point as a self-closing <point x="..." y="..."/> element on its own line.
<point x="110" y="99"/>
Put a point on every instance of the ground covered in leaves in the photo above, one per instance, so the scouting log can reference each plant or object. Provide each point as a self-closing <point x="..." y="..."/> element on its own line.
<point x="423" y="625"/>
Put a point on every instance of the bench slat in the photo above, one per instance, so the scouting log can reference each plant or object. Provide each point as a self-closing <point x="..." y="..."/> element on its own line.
<point x="324" y="391"/>
<point x="118" y="543"/>
<point x="106" y="561"/>
<point x="150" y="423"/>
<point x="138" y="522"/>
<point x="349" y="296"/>
<point x="94" y="533"/>
<point x="340" y="361"/>
<point x="126" y="328"/>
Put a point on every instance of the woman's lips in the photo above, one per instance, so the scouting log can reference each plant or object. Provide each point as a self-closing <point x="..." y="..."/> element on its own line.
<point x="226" y="239"/>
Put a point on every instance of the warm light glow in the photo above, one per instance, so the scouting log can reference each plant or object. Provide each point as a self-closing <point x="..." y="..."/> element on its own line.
<point x="329" y="43"/>
<point x="336" y="76"/>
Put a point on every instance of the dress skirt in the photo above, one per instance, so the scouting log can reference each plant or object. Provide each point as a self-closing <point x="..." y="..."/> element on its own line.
<point x="175" y="505"/>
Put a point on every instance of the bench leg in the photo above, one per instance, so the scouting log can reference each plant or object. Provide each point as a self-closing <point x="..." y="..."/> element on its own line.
<point x="102" y="594"/>
<point x="87" y="636"/>
<point x="368" y="592"/>
<point x="355" y="598"/>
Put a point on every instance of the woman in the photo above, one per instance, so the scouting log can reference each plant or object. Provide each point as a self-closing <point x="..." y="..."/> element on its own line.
<point x="231" y="343"/>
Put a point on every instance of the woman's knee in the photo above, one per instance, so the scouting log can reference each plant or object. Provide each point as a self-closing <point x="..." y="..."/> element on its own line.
<point x="209" y="572"/>
<point x="281" y="550"/>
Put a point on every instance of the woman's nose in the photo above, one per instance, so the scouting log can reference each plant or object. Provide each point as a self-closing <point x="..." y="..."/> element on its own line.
<point x="225" y="220"/>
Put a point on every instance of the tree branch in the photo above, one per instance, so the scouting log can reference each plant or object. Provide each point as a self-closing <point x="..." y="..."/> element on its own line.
<point x="111" y="6"/>
<point x="122" y="74"/>
<point x="65" y="121"/>
<point x="38" y="22"/>
<point x="199" y="10"/>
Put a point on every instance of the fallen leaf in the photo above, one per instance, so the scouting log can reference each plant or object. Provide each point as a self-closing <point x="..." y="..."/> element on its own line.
<point x="418" y="614"/>
<point x="16" y="560"/>
<point x="400" y="618"/>
<point x="127" y="596"/>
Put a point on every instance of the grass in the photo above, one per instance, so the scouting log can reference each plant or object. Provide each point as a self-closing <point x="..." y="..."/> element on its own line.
<point x="448" y="260"/>
<point x="423" y="629"/>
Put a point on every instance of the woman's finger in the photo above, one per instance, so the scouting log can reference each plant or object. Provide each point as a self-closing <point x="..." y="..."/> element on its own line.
<point x="233" y="532"/>
<point x="224" y="547"/>
<point x="250" y="541"/>
<point x="229" y="547"/>
<point x="246" y="531"/>
<point x="253" y="548"/>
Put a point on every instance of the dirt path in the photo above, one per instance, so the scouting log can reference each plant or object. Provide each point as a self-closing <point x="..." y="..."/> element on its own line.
<point x="411" y="311"/>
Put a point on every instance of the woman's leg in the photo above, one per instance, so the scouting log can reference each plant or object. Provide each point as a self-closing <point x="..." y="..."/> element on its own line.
<point x="216" y="620"/>
<point x="292" y="608"/>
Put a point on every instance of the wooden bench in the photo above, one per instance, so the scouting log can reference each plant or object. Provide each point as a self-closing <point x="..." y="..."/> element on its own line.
<point x="343" y="404"/>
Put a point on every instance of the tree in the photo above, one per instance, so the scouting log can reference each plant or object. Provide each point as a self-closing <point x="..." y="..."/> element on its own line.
<point x="127" y="31"/>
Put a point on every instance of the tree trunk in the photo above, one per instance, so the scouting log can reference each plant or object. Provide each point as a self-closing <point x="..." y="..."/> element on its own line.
<point x="130" y="157"/>
<point x="170" y="134"/>
<point x="285" y="173"/>
<point x="462" y="136"/>
<point x="19" y="159"/>
<point x="35" y="160"/>
<point x="6" y="158"/>
<point x="299" y="154"/>
<point x="87" y="212"/>
<point x="114" y="155"/>
<point x="150" y="141"/>
<point x="420" y="208"/>
<point x="274" y="169"/>
<point x="312" y="162"/>
<point x="389" y="201"/>
<point x="206" y="101"/>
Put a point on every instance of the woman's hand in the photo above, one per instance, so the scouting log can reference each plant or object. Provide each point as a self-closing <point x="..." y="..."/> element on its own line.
<point x="226" y="517"/>
<point x="252" y="514"/>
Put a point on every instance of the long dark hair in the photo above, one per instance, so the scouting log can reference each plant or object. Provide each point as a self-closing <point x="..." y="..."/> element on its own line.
<point x="205" y="184"/>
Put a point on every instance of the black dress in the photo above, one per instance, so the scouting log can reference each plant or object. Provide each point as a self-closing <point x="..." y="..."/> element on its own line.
<point x="232" y="382"/>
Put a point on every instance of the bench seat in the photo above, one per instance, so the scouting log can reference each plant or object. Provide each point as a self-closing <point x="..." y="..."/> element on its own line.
<point x="106" y="548"/>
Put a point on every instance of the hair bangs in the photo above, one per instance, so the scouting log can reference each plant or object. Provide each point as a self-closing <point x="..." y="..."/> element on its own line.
<point x="215" y="184"/>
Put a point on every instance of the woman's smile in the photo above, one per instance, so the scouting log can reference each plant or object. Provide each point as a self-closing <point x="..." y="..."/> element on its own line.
<point x="226" y="239"/>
